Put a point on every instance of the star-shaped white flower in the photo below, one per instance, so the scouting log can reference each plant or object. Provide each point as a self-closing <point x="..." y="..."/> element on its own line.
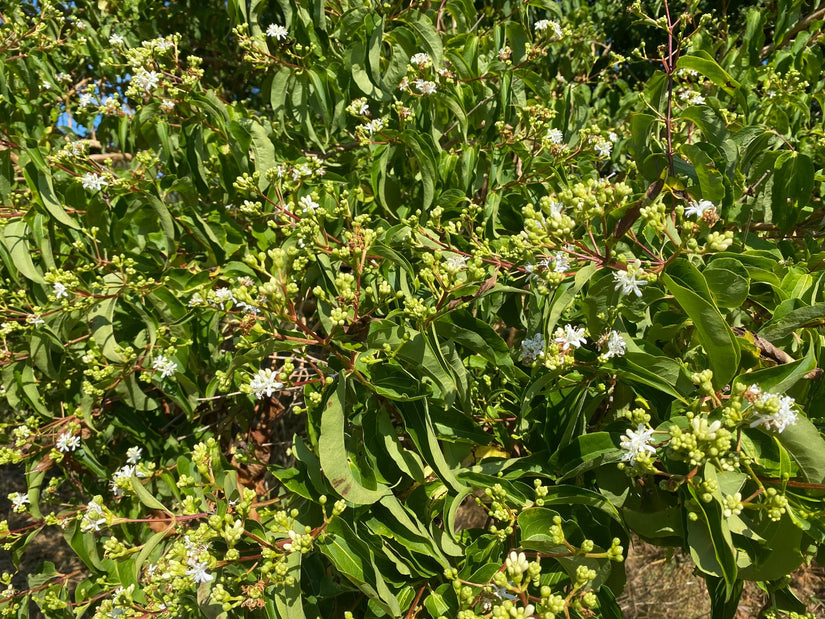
<point x="198" y="572"/>
<point x="627" y="283"/>
<point x="265" y="383"/>
<point x="146" y="80"/>
<point x="555" y="136"/>
<point x="93" y="182"/>
<point x="133" y="455"/>
<point x="781" y="418"/>
<point x="277" y="31"/>
<point x="420" y="59"/>
<point x="59" y="290"/>
<point x="637" y="443"/>
<point x="86" y="99"/>
<point x="308" y="205"/>
<point x="616" y="346"/>
<point x="698" y="208"/>
<point x="67" y="442"/>
<point x="18" y="501"/>
<point x="570" y="337"/>
<point x="165" y="366"/>
<point x="425" y="87"/>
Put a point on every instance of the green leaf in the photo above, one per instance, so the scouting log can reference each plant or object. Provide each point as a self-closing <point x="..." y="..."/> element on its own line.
<point x="101" y="325"/>
<point x="356" y="562"/>
<point x="50" y="201"/>
<point x="714" y="333"/>
<point x="793" y="185"/>
<point x="780" y="378"/>
<point x="15" y="238"/>
<point x="703" y="63"/>
<point x="262" y="147"/>
<point x="336" y="461"/>
<point x="807" y="447"/>
<point x="145" y="497"/>
<point x="710" y="541"/>
<point x="475" y="335"/>
<point x="812" y="316"/>
<point x="288" y="598"/>
<point x="147" y="549"/>
<point x="728" y="280"/>
<point x="423" y="27"/>
<point x="585" y="453"/>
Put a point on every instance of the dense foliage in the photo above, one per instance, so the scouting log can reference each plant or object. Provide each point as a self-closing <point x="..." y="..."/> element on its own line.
<point x="524" y="277"/>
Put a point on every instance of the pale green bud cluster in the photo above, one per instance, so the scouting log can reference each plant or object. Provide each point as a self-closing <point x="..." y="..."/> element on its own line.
<point x="701" y="441"/>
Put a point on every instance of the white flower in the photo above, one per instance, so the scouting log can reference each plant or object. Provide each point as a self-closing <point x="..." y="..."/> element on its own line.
<point x="374" y="126"/>
<point x="162" y="44"/>
<point x="133" y="455"/>
<point x="166" y="105"/>
<point x="569" y="337"/>
<point x="360" y="107"/>
<point x="517" y="562"/>
<point x="404" y="84"/>
<point x="637" y="443"/>
<point x="532" y="348"/>
<point x="698" y="208"/>
<point x="224" y="295"/>
<point x="627" y="283"/>
<point x="18" y="501"/>
<point x="425" y="87"/>
<point x="555" y="136"/>
<point x="603" y="148"/>
<point x="293" y="536"/>
<point x="456" y="263"/>
<point x="63" y="77"/>
<point x="264" y="383"/>
<point x="93" y="182"/>
<point x="544" y="24"/>
<point x="556" y="208"/>
<point x="86" y="99"/>
<point x="561" y="263"/>
<point x="146" y="80"/>
<point x="78" y="148"/>
<point x="308" y="204"/>
<point x="616" y="346"/>
<point x="696" y="99"/>
<point x="165" y="366"/>
<point x="35" y="319"/>
<point x="198" y="572"/>
<point x="124" y="472"/>
<point x="613" y="137"/>
<point x="116" y="39"/>
<point x="782" y="416"/>
<point x="278" y="31"/>
<point x="45" y="85"/>
<point x="66" y="442"/>
<point x="92" y="518"/>
<point x="59" y="290"/>
<point x="195" y="299"/>
<point x="420" y="59"/>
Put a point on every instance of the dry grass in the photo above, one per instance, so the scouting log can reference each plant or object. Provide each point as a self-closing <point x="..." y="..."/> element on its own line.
<point x="663" y="586"/>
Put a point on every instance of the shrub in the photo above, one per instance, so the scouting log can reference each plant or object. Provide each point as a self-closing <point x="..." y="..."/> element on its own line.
<point x="557" y="262"/>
